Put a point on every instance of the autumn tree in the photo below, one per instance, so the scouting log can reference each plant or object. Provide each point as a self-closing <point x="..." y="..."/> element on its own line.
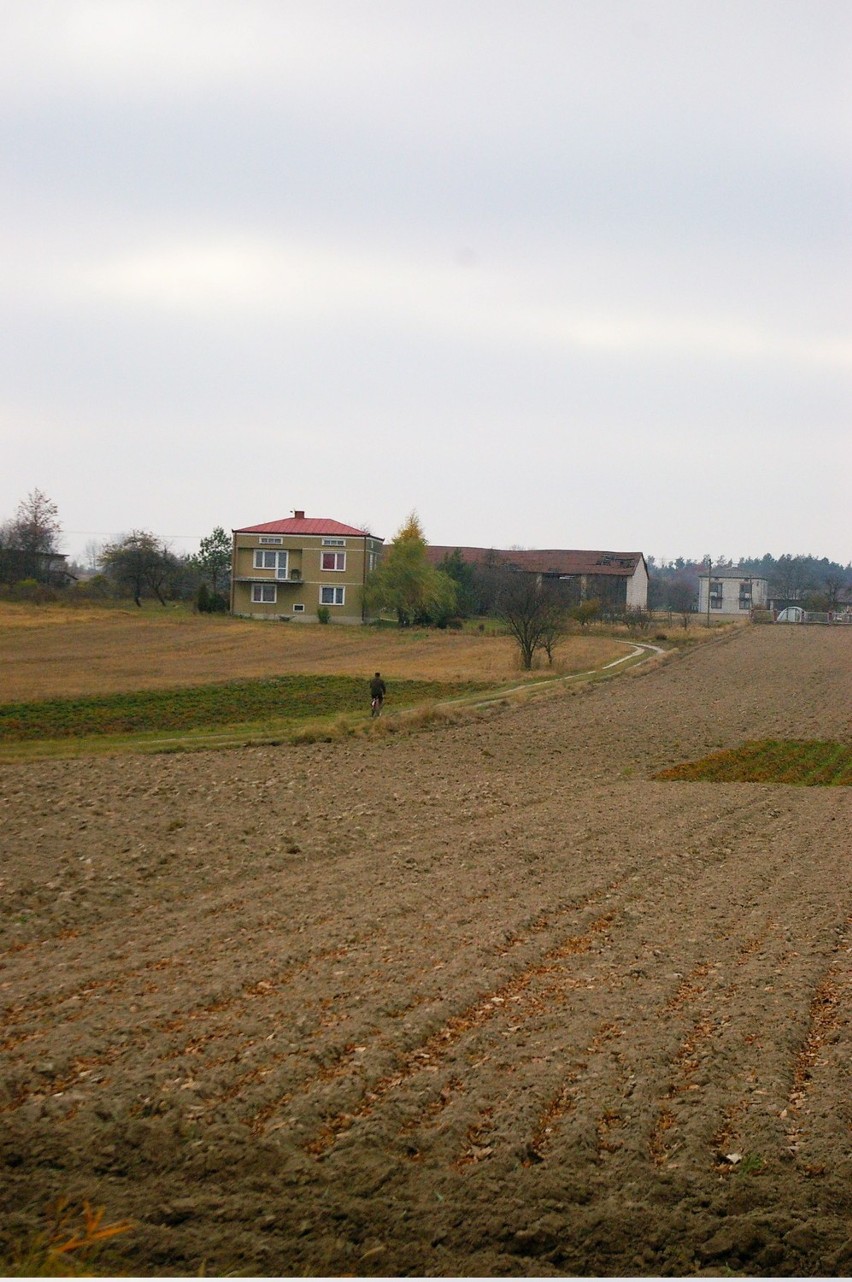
<point x="405" y="582"/>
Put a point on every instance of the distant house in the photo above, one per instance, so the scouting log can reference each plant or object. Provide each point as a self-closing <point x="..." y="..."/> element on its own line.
<point x="17" y="564"/>
<point x="289" y="569"/>
<point x="733" y="592"/>
<point x="614" y="578"/>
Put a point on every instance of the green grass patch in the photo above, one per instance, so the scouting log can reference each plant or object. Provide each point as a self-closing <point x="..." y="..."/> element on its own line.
<point x="809" y="762"/>
<point x="287" y="698"/>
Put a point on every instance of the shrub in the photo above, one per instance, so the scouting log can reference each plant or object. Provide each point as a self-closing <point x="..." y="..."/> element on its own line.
<point x="207" y="602"/>
<point x="324" y="614"/>
<point x="586" y="611"/>
<point x="637" y="620"/>
<point x="97" y="588"/>
<point x="31" y="590"/>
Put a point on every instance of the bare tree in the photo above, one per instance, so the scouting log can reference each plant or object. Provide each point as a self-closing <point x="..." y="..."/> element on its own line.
<point x="533" y="612"/>
<point x="487" y="581"/>
<point x="92" y="553"/>
<point x="681" y="597"/>
<point x="30" y="541"/>
<point x="834" y="584"/>
<point x="790" y="577"/>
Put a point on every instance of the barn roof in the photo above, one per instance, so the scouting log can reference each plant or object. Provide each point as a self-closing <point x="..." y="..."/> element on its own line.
<point x="546" y="561"/>
<point x="731" y="572"/>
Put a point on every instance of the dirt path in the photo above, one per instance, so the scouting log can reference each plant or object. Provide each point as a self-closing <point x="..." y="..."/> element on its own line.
<point x="482" y="1000"/>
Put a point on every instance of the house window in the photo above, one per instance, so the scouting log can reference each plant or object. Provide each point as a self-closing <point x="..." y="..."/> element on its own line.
<point x="716" y="596"/>
<point x="745" y="596"/>
<point x="334" y="543"/>
<point x="334" y="560"/>
<point x="299" y="608"/>
<point x="270" y="538"/>
<point x="264" y="593"/>
<point x="276" y="561"/>
<point x="332" y="596"/>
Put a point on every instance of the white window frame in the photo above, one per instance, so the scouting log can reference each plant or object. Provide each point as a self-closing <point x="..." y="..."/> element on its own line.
<point x="339" y="559"/>
<point x="334" y="543"/>
<point x="298" y="608"/>
<point x="332" y="596"/>
<point x="275" y="561"/>
<point x="270" y="538"/>
<point x="264" y="594"/>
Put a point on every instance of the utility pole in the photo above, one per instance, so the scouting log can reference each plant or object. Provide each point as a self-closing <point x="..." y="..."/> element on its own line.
<point x="709" y="568"/>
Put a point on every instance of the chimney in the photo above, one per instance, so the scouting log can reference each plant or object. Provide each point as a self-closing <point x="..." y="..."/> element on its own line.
<point x="300" y="516"/>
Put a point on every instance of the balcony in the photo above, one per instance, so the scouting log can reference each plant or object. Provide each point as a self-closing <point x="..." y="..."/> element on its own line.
<point x="270" y="578"/>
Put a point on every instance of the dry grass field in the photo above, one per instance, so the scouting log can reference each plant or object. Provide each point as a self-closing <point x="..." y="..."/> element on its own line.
<point x="484" y="1000"/>
<point x="49" y="651"/>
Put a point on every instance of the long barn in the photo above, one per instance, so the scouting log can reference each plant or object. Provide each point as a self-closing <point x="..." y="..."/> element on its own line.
<point x="618" y="578"/>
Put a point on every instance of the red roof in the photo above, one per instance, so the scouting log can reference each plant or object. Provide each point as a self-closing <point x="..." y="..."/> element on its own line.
<point x="304" y="525"/>
<point x="553" y="561"/>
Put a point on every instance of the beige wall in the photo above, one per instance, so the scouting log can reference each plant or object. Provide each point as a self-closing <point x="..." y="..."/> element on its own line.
<point x="326" y="569"/>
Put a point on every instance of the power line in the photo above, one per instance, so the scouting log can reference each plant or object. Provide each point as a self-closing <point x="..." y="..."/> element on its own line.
<point x="115" y="533"/>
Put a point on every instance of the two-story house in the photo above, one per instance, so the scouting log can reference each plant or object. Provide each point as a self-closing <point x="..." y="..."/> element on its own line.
<point x="731" y="592"/>
<point x="290" y="569"/>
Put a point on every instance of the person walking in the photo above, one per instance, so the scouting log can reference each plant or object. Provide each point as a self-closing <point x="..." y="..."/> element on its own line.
<point x="378" y="689"/>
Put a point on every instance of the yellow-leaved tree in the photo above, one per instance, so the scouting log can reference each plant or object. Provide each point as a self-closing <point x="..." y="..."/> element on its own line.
<point x="407" y="584"/>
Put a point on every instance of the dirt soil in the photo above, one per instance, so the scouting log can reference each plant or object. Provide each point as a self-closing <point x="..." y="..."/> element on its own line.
<point x="482" y="1000"/>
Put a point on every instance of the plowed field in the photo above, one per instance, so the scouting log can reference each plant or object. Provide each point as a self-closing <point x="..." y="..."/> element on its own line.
<point x="482" y="1000"/>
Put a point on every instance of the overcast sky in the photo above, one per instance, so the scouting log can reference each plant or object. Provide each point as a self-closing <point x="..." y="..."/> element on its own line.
<point x="554" y="273"/>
